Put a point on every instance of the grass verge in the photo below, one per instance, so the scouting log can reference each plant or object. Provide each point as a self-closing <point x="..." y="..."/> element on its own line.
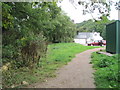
<point x="106" y="74"/>
<point x="57" y="55"/>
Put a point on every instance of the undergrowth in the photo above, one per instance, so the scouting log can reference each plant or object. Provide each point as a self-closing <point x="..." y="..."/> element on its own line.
<point x="106" y="74"/>
<point x="57" y="55"/>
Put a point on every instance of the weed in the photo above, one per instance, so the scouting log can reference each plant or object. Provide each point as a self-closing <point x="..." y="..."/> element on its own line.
<point x="106" y="75"/>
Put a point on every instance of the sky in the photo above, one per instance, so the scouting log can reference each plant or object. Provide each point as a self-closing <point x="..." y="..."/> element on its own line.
<point x="77" y="14"/>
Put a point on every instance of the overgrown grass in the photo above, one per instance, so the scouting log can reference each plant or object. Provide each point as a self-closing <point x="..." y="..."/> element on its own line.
<point x="106" y="75"/>
<point x="57" y="55"/>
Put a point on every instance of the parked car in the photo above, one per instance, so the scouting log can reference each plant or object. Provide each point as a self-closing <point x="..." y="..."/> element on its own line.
<point x="104" y="42"/>
<point x="97" y="43"/>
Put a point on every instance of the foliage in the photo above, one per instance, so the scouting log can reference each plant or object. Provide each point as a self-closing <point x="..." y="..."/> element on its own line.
<point x="106" y="75"/>
<point x="57" y="56"/>
<point x="86" y="26"/>
<point x="29" y="27"/>
<point x="102" y="6"/>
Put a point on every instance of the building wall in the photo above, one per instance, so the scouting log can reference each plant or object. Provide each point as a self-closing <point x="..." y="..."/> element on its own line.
<point x="96" y="36"/>
<point x="87" y="37"/>
<point x="80" y="41"/>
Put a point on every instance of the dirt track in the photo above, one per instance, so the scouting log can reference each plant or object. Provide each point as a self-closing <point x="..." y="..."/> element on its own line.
<point x="77" y="74"/>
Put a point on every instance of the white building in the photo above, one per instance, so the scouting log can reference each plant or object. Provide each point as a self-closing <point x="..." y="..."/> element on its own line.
<point x="87" y="37"/>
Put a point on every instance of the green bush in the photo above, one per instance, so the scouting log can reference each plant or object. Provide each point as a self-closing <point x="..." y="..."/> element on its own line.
<point x="104" y="61"/>
<point x="26" y="50"/>
<point x="106" y="75"/>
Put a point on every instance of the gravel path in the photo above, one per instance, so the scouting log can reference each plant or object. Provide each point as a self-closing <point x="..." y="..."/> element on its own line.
<point x="76" y="74"/>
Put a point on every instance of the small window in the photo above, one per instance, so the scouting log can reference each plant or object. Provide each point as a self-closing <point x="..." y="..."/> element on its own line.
<point x="95" y="34"/>
<point x="96" y="41"/>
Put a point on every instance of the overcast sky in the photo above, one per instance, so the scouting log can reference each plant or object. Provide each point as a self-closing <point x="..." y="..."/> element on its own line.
<point x="77" y="14"/>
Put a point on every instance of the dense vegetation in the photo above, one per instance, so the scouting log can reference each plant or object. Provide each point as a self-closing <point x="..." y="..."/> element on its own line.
<point x="29" y="27"/>
<point x="90" y="26"/>
<point x="54" y="59"/>
<point x="106" y="74"/>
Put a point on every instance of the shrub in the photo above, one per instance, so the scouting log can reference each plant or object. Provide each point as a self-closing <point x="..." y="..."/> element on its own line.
<point x="106" y="75"/>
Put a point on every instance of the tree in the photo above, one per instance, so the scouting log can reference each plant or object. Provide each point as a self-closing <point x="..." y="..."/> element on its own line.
<point x="103" y="6"/>
<point x="27" y="29"/>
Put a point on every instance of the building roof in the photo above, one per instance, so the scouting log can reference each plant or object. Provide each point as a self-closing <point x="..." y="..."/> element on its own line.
<point x="84" y="35"/>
